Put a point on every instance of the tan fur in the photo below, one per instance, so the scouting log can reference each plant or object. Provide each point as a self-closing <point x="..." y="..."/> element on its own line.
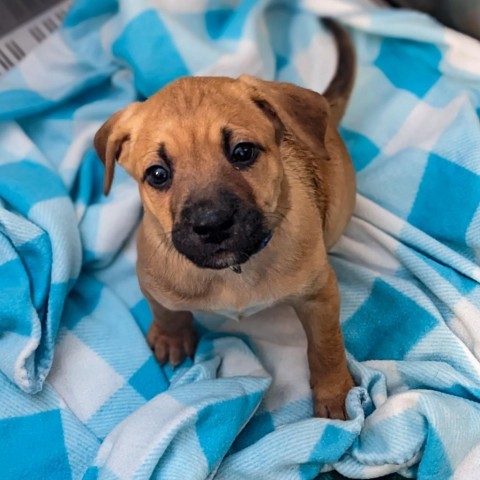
<point x="303" y="183"/>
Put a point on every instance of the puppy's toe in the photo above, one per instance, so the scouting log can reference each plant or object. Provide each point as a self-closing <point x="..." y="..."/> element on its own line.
<point x="172" y="347"/>
<point x="320" y="409"/>
<point x="330" y="408"/>
<point x="176" y="354"/>
<point x="329" y="400"/>
<point x="160" y="350"/>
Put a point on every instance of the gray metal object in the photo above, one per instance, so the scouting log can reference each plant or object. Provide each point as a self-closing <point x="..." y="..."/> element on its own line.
<point x="24" y="24"/>
<point x="14" y="13"/>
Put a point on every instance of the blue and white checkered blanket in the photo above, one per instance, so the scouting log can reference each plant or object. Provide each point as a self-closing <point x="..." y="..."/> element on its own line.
<point x="81" y="395"/>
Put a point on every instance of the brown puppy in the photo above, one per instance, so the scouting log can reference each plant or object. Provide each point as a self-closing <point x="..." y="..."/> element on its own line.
<point x="245" y="185"/>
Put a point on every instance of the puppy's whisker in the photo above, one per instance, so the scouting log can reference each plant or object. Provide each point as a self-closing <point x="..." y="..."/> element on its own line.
<point x="278" y="214"/>
<point x="282" y="209"/>
<point x="166" y="234"/>
<point x="281" y="226"/>
<point x="165" y="239"/>
<point x="277" y="218"/>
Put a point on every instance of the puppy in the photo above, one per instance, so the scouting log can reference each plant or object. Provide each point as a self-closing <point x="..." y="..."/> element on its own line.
<point x="245" y="185"/>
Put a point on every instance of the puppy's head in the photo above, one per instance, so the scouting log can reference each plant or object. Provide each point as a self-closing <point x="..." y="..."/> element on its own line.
<point x="206" y="155"/>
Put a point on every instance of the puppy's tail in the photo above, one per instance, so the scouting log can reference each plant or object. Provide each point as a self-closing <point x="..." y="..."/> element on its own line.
<point x="339" y="90"/>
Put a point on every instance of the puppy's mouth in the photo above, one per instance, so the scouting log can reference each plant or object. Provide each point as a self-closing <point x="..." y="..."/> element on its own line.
<point x="229" y="253"/>
<point x="227" y="259"/>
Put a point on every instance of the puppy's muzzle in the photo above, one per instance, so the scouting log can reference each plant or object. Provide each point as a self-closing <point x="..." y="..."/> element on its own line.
<point x="219" y="231"/>
<point x="212" y="223"/>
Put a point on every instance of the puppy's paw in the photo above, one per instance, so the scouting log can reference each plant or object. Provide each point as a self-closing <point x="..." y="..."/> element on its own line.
<point x="172" y="347"/>
<point x="329" y="398"/>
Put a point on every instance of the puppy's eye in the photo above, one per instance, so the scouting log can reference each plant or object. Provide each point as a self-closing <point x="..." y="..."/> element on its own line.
<point x="243" y="155"/>
<point x="157" y="176"/>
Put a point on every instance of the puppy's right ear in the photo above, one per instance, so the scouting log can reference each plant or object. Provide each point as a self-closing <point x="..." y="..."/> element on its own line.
<point x="112" y="142"/>
<point x="302" y="112"/>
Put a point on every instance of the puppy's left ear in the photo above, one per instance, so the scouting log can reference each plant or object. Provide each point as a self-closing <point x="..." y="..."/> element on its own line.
<point x="303" y="112"/>
<point x="112" y="142"/>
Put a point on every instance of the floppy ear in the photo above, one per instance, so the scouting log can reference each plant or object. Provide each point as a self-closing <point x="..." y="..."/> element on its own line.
<point x="303" y="112"/>
<point x="112" y="142"/>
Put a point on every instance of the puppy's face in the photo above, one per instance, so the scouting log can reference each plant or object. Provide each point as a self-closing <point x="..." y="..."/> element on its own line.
<point x="205" y="154"/>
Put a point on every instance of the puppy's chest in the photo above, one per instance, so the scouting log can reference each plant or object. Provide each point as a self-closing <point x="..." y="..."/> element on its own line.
<point x="233" y="302"/>
<point x="231" y="299"/>
<point x="238" y="314"/>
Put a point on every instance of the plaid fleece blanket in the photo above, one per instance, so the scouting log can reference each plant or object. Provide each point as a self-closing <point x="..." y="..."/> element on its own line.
<point x="81" y="395"/>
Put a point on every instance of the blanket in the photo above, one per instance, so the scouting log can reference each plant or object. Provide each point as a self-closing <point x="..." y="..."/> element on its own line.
<point x="81" y="395"/>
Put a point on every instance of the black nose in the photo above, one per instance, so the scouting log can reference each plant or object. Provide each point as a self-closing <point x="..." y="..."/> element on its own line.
<point x="211" y="219"/>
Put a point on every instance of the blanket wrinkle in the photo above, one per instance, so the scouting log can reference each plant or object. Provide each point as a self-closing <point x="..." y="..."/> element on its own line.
<point x="82" y="393"/>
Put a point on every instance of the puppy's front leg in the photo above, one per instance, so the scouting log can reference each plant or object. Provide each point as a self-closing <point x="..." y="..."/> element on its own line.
<point x="329" y="376"/>
<point x="171" y="335"/>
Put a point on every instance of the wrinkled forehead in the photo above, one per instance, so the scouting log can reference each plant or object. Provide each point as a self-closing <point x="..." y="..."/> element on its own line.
<point x="195" y="112"/>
